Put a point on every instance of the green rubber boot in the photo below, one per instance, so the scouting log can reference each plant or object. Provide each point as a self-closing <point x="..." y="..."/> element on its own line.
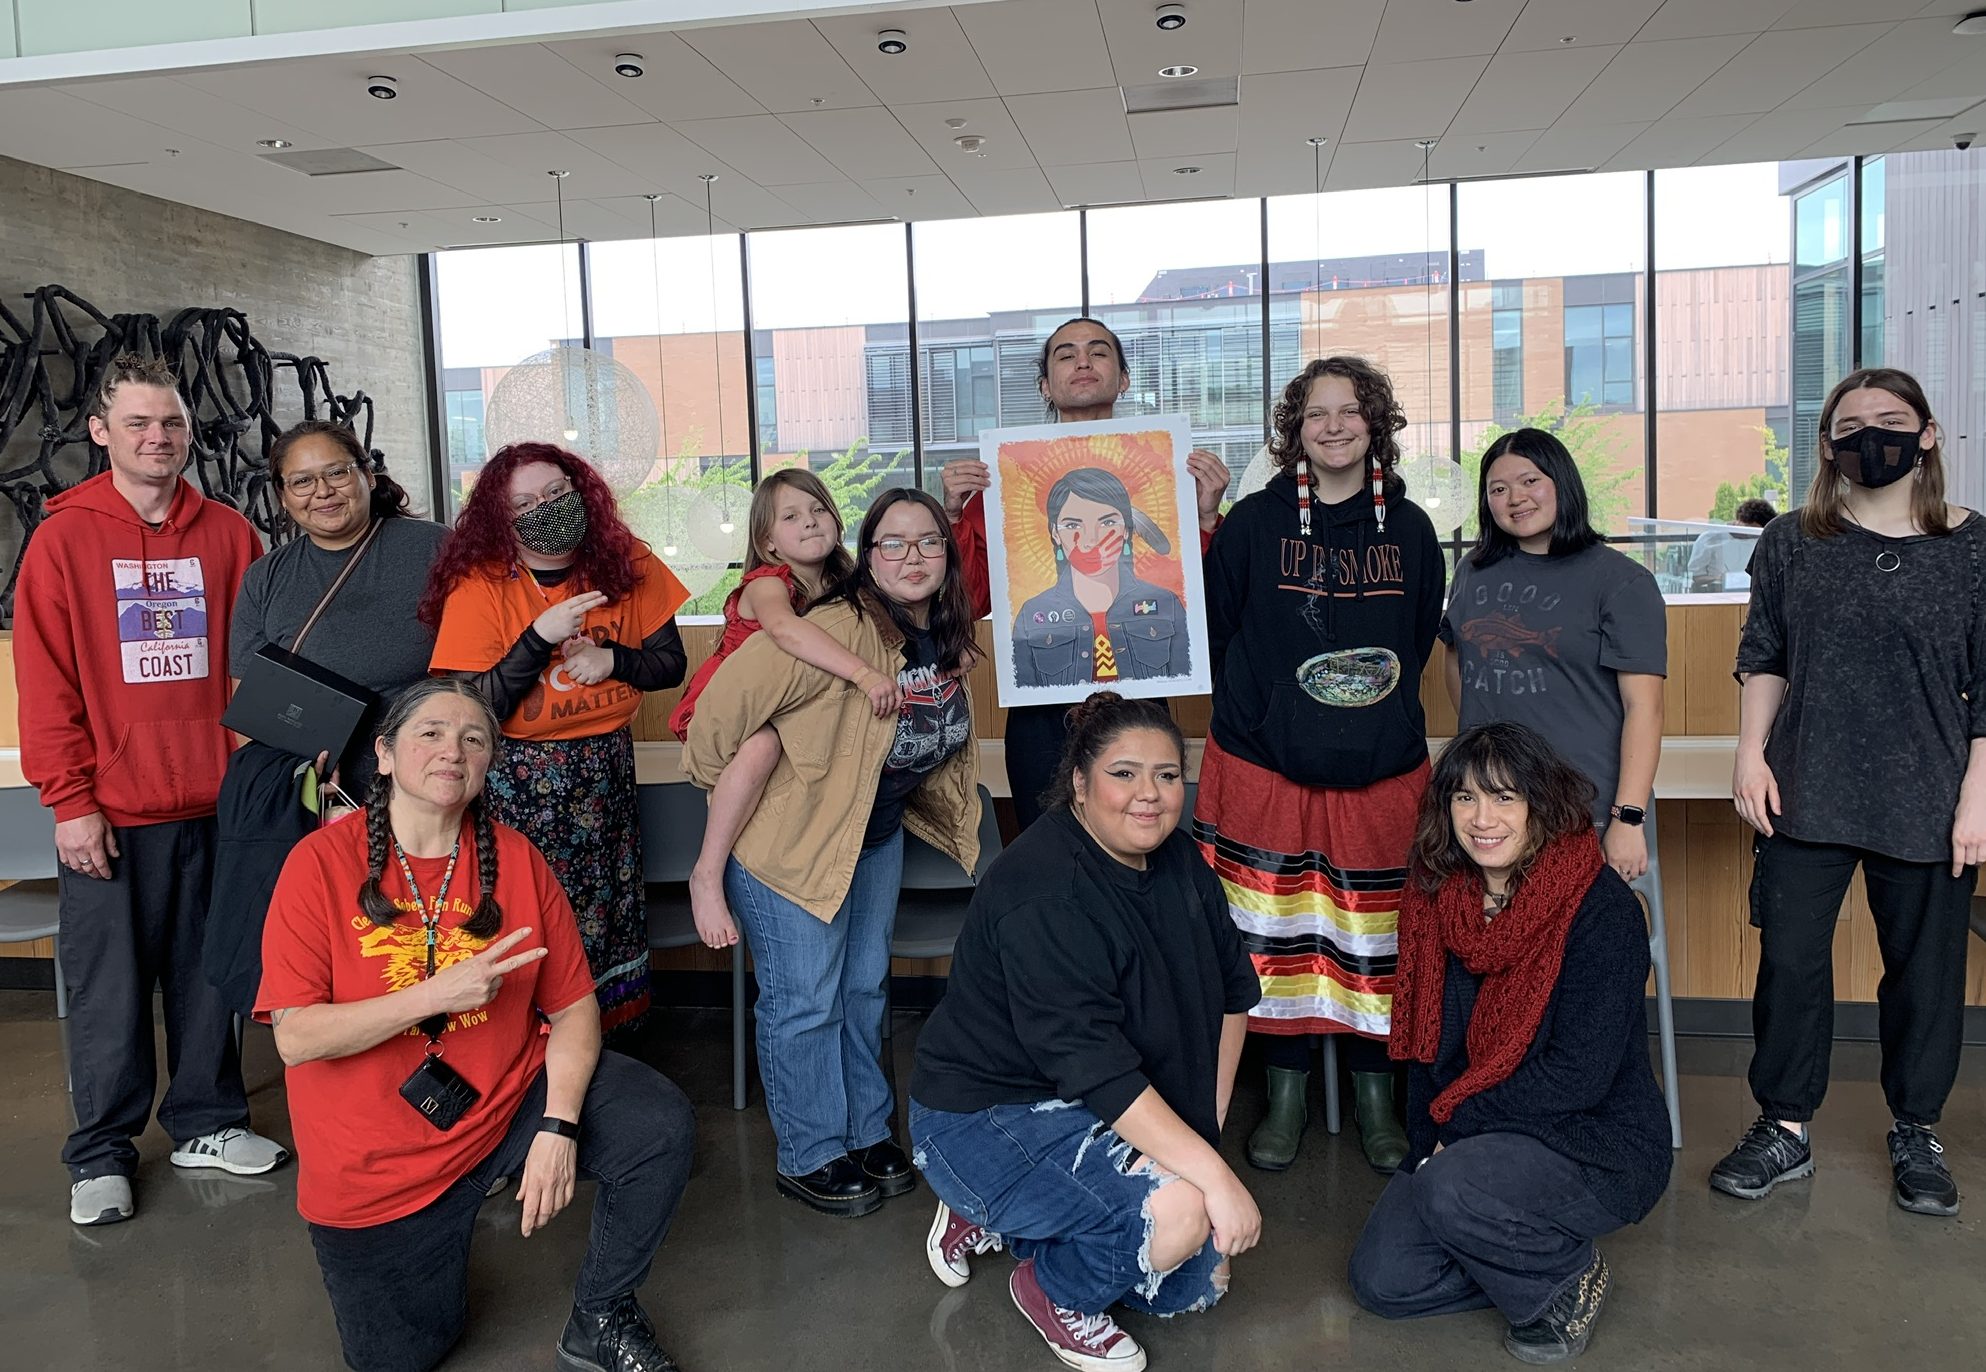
<point x="1379" y="1129"/>
<point x="1272" y="1147"/>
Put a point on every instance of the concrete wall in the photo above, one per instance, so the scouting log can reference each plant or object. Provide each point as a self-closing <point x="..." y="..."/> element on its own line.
<point x="128" y="253"/>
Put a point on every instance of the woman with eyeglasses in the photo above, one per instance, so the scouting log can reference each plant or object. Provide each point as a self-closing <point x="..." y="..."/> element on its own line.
<point x="547" y="601"/>
<point x="814" y="877"/>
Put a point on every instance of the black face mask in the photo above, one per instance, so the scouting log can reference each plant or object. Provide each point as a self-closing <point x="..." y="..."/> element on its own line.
<point x="554" y="528"/>
<point x="1875" y="457"/>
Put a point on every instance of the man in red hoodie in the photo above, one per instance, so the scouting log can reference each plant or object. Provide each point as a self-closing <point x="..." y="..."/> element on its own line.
<point x="124" y="594"/>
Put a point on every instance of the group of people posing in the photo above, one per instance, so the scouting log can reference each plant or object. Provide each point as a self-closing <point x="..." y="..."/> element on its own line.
<point x="1463" y="925"/>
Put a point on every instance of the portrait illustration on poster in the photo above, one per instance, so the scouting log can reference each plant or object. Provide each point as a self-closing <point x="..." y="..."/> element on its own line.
<point x="1092" y="534"/>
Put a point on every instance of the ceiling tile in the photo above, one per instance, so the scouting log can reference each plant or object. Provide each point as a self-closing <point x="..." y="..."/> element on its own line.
<point x="1164" y="181"/>
<point x="55" y="129"/>
<point x="1711" y="18"/>
<point x="1778" y="134"/>
<point x="1645" y="80"/>
<point x="1305" y="35"/>
<point x="1577" y="147"/>
<point x="1594" y="23"/>
<point x="784" y="66"/>
<point x="1096" y="183"/>
<point x="987" y="119"/>
<point x="1820" y="14"/>
<point x="1487" y="154"/>
<point x="919" y="197"/>
<point x="864" y="143"/>
<point x="675" y="217"/>
<point x="1424" y="30"/>
<point x="1356" y="166"/>
<point x="940" y="63"/>
<point x="1167" y="132"/>
<point x="326" y="95"/>
<point x="1774" y="67"/>
<point x="1210" y="40"/>
<point x="761" y="147"/>
<point x="1006" y="190"/>
<point x="658" y="156"/>
<point x="1530" y="90"/>
<point x="1008" y="40"/>
<point x="453" y="164"/>
<point x="1677" y="142"/>
<point x="1905" y="56"/>
<point x="1868" y="139"/>
<point x="678" y="82"/>
<point x="536" y="81"/>
<point x="832" y="202"/>
<point x="170" y="104"/>
<point x="1279" y="111"/>
<point x="1070" y="128"/>
<point x="1411" y="99"/>
<point x="592" y="173"/>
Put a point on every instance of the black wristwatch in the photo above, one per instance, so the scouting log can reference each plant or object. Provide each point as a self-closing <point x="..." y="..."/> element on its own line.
<point x="552" y="1124"/>
<point x="1629" y="814"/>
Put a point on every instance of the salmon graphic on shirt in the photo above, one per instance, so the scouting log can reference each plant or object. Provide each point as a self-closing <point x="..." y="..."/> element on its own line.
<point x="1507" y="634"/>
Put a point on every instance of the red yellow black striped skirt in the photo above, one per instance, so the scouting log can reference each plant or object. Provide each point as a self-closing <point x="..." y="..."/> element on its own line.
<point x="1313" y="876"/>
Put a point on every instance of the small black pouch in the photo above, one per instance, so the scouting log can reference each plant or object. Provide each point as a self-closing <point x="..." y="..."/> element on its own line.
<point x="441" y="1094"/>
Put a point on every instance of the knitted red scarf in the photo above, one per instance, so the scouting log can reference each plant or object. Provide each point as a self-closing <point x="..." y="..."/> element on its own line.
<point x="1517" y="954"/>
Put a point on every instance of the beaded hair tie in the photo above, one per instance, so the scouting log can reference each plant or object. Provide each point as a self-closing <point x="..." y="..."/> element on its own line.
<point x="1303" y="496"/>
<point x="1379" y="493"/>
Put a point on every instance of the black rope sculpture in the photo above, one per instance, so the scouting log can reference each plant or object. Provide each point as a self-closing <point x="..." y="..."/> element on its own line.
<point x="50" y="367"/>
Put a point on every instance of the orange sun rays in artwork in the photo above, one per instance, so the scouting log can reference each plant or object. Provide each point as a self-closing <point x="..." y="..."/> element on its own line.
<point x="1142" y="461"/>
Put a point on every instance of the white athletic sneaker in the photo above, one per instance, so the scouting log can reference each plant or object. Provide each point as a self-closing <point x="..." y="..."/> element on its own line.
<point x="240" y="1151"/>
<point x="101" y="1200"/>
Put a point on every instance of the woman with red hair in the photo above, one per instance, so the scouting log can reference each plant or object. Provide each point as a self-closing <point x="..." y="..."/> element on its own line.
<point x="562" y="617"/>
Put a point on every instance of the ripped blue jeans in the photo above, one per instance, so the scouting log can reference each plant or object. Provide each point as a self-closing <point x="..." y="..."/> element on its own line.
<point x="1061" y="1187"/>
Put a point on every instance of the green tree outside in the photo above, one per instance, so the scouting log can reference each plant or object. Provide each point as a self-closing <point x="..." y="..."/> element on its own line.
<point x="1770" y="484"/>
<point x="1611" y="485"/>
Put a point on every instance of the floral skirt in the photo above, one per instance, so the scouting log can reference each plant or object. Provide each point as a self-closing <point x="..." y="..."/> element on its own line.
<point x="1313" y="877"/>
<point x="575" y="799"/>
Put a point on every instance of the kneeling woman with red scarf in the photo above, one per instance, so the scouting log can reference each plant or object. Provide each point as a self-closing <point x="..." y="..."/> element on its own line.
<point x="1533" y="1119"/>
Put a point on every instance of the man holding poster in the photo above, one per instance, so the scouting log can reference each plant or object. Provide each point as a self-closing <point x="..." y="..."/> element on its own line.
<point x="1082" y="372"/>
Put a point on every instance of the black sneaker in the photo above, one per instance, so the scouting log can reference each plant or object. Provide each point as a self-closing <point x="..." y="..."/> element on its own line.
<point x="1924" y="1186"/>
<point x="1767" y="1155"/>
<point x="616" y="1340"/>
<point x="1565" y="1326"/>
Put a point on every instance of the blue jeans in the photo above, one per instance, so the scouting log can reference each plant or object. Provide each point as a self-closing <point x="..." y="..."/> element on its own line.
<point x="820" y="1011"/>
<point x="1061" y="1187"/>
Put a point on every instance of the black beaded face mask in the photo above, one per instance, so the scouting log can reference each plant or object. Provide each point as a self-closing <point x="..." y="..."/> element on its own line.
<point x="554" y="528"/>
<point x="1876" y="457"/>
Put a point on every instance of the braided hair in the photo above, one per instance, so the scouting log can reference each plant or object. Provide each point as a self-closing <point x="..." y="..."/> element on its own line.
<point x="373" y="901"/>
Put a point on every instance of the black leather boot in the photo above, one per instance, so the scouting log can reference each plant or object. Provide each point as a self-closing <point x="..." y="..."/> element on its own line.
<point x="840" y="1188"/>
<point x="886" y="1165"/>
<point x="616" y="1340"/>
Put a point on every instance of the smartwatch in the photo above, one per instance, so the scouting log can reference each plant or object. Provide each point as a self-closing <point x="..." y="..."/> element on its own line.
<point x="552" y="1124"/>
<point x="1629" y="814"/>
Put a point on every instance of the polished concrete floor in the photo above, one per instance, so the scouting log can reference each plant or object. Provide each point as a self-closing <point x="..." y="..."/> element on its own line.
<point x="217" y="1273"/>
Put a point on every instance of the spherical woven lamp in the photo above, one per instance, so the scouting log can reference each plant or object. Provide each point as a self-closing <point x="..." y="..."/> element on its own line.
<point x="583" y="401"/>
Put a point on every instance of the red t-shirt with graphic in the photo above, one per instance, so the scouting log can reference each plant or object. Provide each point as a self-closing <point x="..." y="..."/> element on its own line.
<point x="364" y="1155"/>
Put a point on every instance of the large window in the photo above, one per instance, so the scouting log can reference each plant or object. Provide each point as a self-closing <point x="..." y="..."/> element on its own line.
<point x="1823" y="330"/>
<point x="1551" y="305"/>
<point x="827" y="304"/>
<point x="498" y="306"/>
<point x="988" y="293"/>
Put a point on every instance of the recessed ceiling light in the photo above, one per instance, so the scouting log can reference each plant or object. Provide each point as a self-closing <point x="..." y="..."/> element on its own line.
<point x="487" y="219"/>
<point x="1185" y="171"/>
<point x="273" y="143"/>
<point x="1569" y="38"/>
<point x="1182" y="69"/>
<point x="892" y="42"/>
<point x="381" y="87"/>
<point x="955" y="123"/>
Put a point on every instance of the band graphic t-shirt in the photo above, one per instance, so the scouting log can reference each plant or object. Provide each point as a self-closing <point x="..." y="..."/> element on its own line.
<point x="934" y="722"/>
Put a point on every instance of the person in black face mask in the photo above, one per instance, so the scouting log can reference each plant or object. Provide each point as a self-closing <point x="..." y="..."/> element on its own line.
<point x="562" y="617"/>
<point x="1862" y="742"/>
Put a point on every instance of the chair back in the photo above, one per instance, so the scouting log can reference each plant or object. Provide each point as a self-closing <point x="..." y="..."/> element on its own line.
<point x="27" y="835"/>
<point x="672" y="821"/>
<point x="927" y="869"/>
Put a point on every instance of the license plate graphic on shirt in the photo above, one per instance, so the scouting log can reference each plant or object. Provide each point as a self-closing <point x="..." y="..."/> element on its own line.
<point x="161" y="618"/>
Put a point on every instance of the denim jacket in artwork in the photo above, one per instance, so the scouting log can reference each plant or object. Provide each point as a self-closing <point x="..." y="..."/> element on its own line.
<point x="1054" y="636"/>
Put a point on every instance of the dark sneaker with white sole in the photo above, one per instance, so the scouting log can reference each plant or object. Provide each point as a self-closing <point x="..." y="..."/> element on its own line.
<point x="1767" y="1155"/>
<point x="1565" y="1326"/>
<point x="1924" y="1185"/>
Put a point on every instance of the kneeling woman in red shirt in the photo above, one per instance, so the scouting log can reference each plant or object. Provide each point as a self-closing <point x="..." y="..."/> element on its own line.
<point x="409" y="955"/>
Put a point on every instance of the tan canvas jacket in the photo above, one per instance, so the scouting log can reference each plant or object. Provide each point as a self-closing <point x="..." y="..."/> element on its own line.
<point x="807" y="832"/>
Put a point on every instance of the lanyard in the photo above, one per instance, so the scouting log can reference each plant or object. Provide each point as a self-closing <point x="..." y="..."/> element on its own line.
<point x="431" y="923"/>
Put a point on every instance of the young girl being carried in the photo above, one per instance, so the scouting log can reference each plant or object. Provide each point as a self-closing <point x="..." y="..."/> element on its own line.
<point x="796" y="555"/>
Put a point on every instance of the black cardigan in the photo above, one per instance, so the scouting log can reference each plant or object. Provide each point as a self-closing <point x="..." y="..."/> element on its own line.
<point x="1585" y="1089"/>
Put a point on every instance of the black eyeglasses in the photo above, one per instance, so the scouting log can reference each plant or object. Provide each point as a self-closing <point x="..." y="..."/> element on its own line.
<point x="930" y="547"/>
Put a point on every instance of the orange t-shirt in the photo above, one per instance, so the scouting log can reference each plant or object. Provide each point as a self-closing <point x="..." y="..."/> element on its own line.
<point x="364" y="1156"/>
<point x="488" y="610"/>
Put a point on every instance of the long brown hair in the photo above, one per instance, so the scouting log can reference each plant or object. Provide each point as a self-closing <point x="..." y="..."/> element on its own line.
<point x="951" y="612"/>
<point x="1383" y="414"/>
<point x="1821" y="516"/>
<point x="758" y="524"/>
<point x="1499" y="757"/>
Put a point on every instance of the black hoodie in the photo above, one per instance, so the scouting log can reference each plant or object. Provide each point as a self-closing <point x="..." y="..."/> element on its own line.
<point x="1318" y="643"/>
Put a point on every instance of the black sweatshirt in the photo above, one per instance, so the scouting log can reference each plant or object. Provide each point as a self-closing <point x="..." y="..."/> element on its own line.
<point x="1585" y="1089"/>
<point x="1077" y="978"/>
<point x="1318" y="643"/>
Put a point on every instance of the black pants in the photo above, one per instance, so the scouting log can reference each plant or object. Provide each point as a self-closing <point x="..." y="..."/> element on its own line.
<point x="1921" y="914"/>
<point x="1035" y="738"/>
<point x="1497" y="1219"/>
<point x="1356" y="1052"/>
<point x="142" y="929"/>
<point x="399" y="1290"/>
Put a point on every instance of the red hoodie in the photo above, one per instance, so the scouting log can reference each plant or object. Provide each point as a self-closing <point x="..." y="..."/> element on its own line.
<point x="120" y="653"/>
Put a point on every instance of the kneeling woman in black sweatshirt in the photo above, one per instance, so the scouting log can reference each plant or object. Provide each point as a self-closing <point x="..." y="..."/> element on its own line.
<point x="1070" y="1088"/>
<point x="1534" y="1123"/>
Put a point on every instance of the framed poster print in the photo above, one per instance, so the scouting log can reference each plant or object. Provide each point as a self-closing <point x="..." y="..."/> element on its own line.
<point x="1093" y="552"/>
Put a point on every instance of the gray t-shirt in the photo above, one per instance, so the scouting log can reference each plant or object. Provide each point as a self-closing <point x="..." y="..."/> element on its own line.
<point x="1541" y="640"/>
<point x="368" y="634"/>
<point x="1882" y="642"/>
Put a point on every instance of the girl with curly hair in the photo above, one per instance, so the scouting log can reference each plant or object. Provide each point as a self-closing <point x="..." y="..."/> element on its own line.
<point x="1323" y="595"/>
<point x="547" y="601"/>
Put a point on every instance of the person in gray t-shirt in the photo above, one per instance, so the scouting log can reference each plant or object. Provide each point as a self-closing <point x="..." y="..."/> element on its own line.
<point x="368" y="633"/>
<point x="1548" y="626"/>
